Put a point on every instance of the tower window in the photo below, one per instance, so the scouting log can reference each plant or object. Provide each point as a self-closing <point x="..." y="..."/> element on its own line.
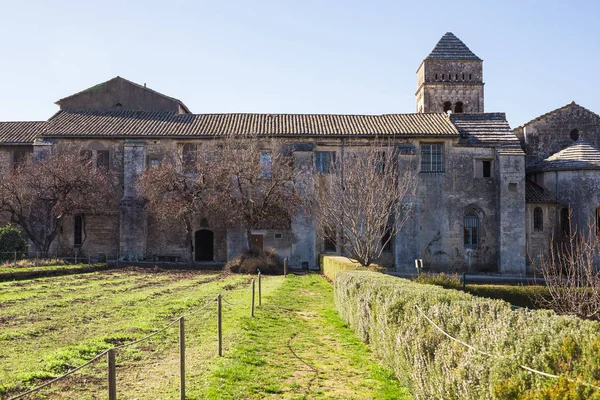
<point x="459" y="107"/>
<point x="469" y="76"/>
<point x="538" y="220"/>
<point x="574" y="135"/>
<point x="442" y="76"/>
<point x="456" y="76"/>
<point x="436" y="77"/>
<point x="447" y="106"/>
<point x="463" y="77"/>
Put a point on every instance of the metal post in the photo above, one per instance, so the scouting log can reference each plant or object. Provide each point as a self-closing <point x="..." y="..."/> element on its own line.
<point x="89" y="259"/>
<point x="253" y="297"/>
<point x="464" y="281"/>
<point x="15" y="257"/>
<point x="285" y="262"/>
<point x="219" y="325"/>
<point x="182" y="358"/>
<point x="75" y="257"/>
<point x="112" y="375"/>
<point x="259" y="290"/>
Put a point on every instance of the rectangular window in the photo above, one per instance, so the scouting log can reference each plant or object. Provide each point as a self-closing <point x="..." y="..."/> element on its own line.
<point x="103" y="159"/>
<point x="265" y="164"/>
<point x="471" y="230"/>
<point x="432" y="157"/>
<point x="19" y="157"/>
<point x="188" y="157"/>
<point x="329" y="241"/>
<point x="323" y="161"/>
<point x="78" y="230"/>
<point x="152" y="162"/>
<point x="483" y="168"/>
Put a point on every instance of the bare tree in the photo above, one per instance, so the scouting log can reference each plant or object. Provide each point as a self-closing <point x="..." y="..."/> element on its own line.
<point x="572" y="275"/>
<point x="184" y="185"/>
<point x="363" y="200"/>
<point x="37" y="196"/>
<point x="260" y="191"/>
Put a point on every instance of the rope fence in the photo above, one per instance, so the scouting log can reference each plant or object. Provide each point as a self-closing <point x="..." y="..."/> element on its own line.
<point x="485" y="353"/>
<point x="111" y="353"/>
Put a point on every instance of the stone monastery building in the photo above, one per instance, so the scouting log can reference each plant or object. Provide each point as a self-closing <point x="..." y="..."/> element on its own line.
<point x="489" y="197"/>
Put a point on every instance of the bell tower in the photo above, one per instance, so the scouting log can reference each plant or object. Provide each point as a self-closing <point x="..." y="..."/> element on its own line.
<point x="450" y="79"/>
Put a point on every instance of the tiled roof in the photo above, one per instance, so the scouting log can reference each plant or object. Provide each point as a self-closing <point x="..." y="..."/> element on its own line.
<point x="163" y="124"/>
<point x="486" y="130"/>
<point x="534" y="193"/>
<point x="118" y="78"/>
<point x="451" y="48"/>
<point x="579" y="155"/>
<point x="571" y="104"/>
<point x="20" y="132"/>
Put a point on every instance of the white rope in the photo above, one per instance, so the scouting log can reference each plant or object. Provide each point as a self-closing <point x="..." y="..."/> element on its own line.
<point x="242" y="300"/>
<point x="526" y="368"/>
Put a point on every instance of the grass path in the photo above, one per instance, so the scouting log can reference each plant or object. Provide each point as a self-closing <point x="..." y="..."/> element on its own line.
<point x="297" y="348"/>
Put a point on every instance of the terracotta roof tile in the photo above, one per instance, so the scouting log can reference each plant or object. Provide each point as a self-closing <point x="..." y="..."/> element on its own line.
<point x="21" y="132"/>
<point x="163" y="124"/>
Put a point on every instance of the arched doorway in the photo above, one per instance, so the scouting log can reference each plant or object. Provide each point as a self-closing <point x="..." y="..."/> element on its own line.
<point x="204" y="241"/>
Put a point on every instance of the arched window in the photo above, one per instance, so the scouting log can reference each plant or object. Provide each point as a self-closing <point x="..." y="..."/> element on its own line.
<point x="538" y="220"/>
<point x="447" y="106"/>
<point x="565" y="221"/>
<point x="458" y="108"/>
<point x="574" y="135"/>
<point x="118" y="105"/>
<point x="471" y="229"/>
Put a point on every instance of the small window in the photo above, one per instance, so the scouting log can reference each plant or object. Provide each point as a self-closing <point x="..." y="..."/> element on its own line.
<point x="442" y="76"/>
<point x="483" y="168"/>
<point x="598" y="220"/>
<point x="471" y="229"/>
<point x="118" y="105"/>
<point x="188" y="157"/>
<point x="458" y="109"/>
<point x="324" y="161"/>
<point x="329" y="240"/>
<point x="574" y="134"/>
<point x="456" y="77"/>
<point x="463" y="77"/>
<point x="436" y="77"/>
<point x="565" y="221"/>
<point x="20" y="157"/>
<point x="103" y="159"/>
<point x="204" y="223"/>
<point x="447" y="106"/>
<point x="432" y="157"/>
<point x="265" y="164"/>
<point x="469" y="76"/>
<point x="78" y="231"/>
<point x="153" y="162"/>
<point x="538" y="220"/>
<point x="278" y="236"/>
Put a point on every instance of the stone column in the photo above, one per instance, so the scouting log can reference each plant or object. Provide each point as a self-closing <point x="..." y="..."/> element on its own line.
<point x="304" y="232"/>
<point x="133" y="230"/>
<point x="510" y="175"/>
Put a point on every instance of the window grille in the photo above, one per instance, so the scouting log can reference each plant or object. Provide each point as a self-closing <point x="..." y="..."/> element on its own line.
<point x="471" y="229"/>
<point x="432" y="157"/>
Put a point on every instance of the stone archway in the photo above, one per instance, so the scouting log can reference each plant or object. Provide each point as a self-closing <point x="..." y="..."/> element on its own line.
<point x="204" y="243"/>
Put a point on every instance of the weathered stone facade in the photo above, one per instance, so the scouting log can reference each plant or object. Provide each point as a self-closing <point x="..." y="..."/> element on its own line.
<point x="473" y="209"/>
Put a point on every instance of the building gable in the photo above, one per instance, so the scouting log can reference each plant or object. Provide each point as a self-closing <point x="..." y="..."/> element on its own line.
<point x="119" y="93"/>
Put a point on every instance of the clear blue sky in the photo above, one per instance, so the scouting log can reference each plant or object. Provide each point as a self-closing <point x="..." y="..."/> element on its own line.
<point x="304" y="56"/>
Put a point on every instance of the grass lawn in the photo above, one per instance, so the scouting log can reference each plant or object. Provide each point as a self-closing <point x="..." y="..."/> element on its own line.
<point x="27" y="270"/>
<point x="296" y="347"/>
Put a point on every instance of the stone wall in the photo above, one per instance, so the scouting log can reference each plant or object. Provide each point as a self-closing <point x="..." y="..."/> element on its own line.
<point x="551" y="132"/>
<point x="538" y="242"/>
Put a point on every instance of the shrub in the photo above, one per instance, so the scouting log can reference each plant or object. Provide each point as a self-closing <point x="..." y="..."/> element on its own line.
<point x="441" y="279"/>
<point x="331" y="265"/>
<point x="252" y="260"/>
<point x="11" y="242"/>
<point x="382" y="310"/>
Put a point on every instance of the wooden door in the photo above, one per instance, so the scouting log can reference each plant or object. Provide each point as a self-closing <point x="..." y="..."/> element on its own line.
<point x="257" y="241"/>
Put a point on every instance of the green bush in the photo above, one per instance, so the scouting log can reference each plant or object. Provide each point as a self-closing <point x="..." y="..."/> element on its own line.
<point x="11" y="242"/>
<point x="382" y="310"/>
<point x="252" y="260"/>
<point x="331" y="265"/>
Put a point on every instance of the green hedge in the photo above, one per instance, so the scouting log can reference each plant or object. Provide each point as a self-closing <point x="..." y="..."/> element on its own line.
<point x="331" y="265"/>
<point x="381" y="309"/>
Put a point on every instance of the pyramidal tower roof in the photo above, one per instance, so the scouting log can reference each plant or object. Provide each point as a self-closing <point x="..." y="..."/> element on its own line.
<point x="451" y="48"/>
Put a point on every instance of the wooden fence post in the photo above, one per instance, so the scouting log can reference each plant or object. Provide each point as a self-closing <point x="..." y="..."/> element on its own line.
<point x="252" y="297"/>
<point x="112" y="375"/>
<point x="285" y="262"/>
<point x="219" y="325"/>
<point x="259" y="291"/>
<point x="182" y="357"/>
